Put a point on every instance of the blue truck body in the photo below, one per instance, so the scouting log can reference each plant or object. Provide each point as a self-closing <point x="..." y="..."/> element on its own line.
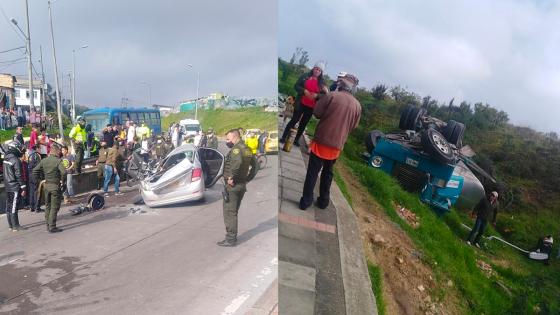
<point x="440" y="186"/>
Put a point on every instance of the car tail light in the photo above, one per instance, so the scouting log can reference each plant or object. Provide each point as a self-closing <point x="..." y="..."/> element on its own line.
<point x="196" y="174"/>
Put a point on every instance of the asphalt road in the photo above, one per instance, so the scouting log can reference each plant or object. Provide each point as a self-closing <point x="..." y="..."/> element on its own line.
<point x="130" y="259"/>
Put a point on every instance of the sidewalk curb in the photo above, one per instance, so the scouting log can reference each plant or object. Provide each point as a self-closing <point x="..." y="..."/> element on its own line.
<point x="355" y="276"/>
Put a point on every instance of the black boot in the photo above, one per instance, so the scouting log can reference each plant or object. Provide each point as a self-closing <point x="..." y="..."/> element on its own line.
<point x="15" y="222"/>
<point x="9" y="216"/>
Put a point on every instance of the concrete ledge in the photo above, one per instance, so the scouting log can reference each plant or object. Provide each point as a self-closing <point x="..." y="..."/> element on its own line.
<point x="355" y="276"/>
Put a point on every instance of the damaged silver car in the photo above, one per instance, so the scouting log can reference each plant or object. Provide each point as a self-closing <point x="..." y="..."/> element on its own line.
<point x="182" y="176"/>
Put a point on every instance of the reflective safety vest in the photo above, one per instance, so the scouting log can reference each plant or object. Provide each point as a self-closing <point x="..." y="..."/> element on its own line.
<point x="78" y="134"/>
<point x="143" y="132"/>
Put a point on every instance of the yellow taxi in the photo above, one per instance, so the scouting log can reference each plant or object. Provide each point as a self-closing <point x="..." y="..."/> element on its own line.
<point x="271" y="144"/>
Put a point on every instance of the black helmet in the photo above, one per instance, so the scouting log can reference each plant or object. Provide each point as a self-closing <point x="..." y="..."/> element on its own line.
<point x="15" y="147"/>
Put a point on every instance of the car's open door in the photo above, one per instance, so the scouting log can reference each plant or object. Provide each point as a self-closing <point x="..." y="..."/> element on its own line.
<point x="212" y="165"/>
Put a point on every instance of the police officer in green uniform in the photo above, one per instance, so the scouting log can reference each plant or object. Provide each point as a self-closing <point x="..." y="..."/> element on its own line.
<point x="54" y="173"/>
<point x="101" y="164"/>
<point x="240" y="168"/>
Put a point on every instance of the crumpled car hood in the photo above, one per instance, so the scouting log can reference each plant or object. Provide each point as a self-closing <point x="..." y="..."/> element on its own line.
<point x="172" y="174"/>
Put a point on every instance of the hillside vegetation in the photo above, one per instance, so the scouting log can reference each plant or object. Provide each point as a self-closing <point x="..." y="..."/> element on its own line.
<point x="223" y="120"/>
<point x="524" y="161"/>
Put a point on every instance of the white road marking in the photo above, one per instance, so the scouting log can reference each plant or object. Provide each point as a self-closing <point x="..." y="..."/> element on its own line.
<point x="238" y="301"/>
<point x="236" y="304"/>
<point x="9" y="262"/>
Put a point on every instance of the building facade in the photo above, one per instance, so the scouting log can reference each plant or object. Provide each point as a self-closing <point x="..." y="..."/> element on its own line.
<point x="22" y="95"/>
<point x="7" y="91"/>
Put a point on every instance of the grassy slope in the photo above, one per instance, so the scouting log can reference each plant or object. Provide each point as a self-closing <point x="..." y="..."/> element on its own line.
<point x="224" y="120"/>
<point x="441" y="241"/>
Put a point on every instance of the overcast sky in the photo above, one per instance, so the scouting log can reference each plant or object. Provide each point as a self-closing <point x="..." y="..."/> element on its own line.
<point x="232" y="43"/>
<point x="505" y="53"/>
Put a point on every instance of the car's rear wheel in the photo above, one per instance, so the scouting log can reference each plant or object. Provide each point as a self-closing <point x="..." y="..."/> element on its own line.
<point x="435" y="144"/>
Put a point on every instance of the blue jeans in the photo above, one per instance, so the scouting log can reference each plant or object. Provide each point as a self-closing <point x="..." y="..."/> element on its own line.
<point x="69" y="192"/>
<point x="477" y="230"/>
<point x="2" y="123"/>
<point x="108" y="175"/>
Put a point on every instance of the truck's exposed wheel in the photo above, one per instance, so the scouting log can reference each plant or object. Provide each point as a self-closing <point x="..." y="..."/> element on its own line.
<point x="454" y="132"/>
<point x="404" y="117"/>
<point x="372" y="138"/>
<point x="414" y="116"/>
<point x="435" y="144"/>
<point x="410" y="116"/>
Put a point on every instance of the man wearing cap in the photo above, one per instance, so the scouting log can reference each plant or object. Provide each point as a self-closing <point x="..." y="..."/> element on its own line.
<point x="212" y="140"/>
<point x="486" y="208"/>
<point x="54" y="173"/>
<point x="334" y="85"/>
<point x="338" y="113"/>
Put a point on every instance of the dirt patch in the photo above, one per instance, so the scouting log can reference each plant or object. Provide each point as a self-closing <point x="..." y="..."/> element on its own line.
<point x="407" y="215"/>
<point x="409" y="284"/>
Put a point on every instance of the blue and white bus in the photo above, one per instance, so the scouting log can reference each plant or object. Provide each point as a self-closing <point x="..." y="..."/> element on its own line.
<point x="101" y="117"/>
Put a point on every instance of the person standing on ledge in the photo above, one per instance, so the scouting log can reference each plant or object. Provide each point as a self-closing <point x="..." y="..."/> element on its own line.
<point x="339" y="113"/>
<point x="308" y="87"/>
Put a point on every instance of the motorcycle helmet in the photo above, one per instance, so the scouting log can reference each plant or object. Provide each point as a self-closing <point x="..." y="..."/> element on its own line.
<point x="16" y="148"/>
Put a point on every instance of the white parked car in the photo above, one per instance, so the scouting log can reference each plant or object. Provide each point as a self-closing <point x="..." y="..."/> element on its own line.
<point x="182" y="176"/>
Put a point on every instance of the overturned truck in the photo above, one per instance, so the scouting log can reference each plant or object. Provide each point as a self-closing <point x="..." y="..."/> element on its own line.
<point x="428" y="157"/>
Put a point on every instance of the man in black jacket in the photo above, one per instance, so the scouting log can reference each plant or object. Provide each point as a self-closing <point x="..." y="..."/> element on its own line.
<point x="486" y="208"/>
<point x="33" y="160"/>
<point x="18" y="136"/>
<point x="13" y="182"/>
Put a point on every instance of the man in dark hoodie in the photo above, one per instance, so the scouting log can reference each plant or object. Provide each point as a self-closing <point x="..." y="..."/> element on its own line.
<point x="13" y="182"/>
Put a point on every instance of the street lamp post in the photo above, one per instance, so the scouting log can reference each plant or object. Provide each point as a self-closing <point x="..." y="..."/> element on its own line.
<point x="73" y="111"/>
<point x="44" y="87"/>
<point x="149" y="92"/>
<point x="29" y="62"/>
<point x="197" y="86"/>
<point x="58" y="107"/>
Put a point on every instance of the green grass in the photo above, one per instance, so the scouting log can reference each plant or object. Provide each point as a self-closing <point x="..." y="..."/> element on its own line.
<point x="342" y="185"/>
<point x="224" y="120"/>
<point x="9" y="133"/>
<point x="376" y="277"/>
<point x="440" y="239"/>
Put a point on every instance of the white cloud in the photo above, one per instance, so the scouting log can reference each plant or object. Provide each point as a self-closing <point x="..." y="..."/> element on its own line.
<point x="501" y="52"/>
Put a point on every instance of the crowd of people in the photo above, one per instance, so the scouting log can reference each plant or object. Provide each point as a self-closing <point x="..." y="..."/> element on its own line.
<point x="116" y="145"/>
<point x="18" y="117"/>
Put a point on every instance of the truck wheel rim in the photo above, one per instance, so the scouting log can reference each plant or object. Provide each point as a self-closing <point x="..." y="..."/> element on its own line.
<point x="376" y="161"/>
<point x="440" y="143"/>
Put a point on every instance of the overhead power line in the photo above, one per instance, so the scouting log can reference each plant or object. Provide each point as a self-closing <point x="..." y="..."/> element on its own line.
<point x="17" y="48"/>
